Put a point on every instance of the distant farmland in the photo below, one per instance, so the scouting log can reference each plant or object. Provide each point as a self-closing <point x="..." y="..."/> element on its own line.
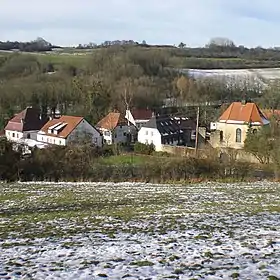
<point x="260" y="77"/>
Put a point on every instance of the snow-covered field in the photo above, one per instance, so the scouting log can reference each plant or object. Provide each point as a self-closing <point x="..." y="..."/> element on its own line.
<point x="140" y="231"/>
<point x="254" y="78"/>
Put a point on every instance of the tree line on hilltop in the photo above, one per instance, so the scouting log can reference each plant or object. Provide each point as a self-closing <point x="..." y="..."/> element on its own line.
<point x="219" y="48"/>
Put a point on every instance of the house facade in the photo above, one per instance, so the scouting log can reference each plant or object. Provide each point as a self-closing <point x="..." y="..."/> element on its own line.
<point x="166" y="130"/>
<point x="116" y="129"/>
<point x="69" y="129"/>
<point x="230" y="131"/>
<point x="25" y="125"/>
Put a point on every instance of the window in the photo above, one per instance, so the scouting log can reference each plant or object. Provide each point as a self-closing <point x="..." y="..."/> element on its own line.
<point x="59" y="142"/>
<point x="255" y="131"/>
<point x="152" y="134"/>
<point x="221" y="136"/>
<point x="238" y="135"/>
<point x="13" y="134"/>
<point x="124" y="134"/>
<point x="95" y="140"/>
<point x="147" y="132"/>
<point x="28" y="136"/>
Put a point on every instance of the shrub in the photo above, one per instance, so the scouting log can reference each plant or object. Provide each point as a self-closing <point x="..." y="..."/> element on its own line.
<point x="146" y="149"/>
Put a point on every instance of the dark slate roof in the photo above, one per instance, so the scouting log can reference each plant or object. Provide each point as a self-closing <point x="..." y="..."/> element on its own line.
<point x="27" y="120"/>
<point x="167" y="125"/>
<point x="141" y="114"/>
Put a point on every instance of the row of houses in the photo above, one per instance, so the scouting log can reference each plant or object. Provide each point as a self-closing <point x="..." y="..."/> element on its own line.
<point x="30" y="128"/>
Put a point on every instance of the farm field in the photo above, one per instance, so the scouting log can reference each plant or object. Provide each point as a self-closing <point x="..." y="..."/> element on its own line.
<point x="139" y="231"/>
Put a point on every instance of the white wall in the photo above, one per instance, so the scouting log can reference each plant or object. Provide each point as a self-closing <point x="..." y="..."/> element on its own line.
<point x="13" y="135"/>
<point x="150" y="136"/>
<point x="51" y="139"/>
<point x="86" y="128"/>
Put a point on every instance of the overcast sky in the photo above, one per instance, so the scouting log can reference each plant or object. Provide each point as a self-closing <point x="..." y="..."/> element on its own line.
<point x="70" y="22"/>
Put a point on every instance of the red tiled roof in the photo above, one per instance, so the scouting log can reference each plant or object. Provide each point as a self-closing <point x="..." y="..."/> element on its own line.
<point x="27" y="120"/>
<point x="247" y="113"/>
<point x="141" y="114"/>
<point x="111" y="121"/>
<point x="71" y="121"/>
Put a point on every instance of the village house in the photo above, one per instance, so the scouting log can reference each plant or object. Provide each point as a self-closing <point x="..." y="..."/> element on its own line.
<point x="166" y="130"/>
<point x="139" y="117"/>
<point x="231" y="129"/>
<point x="116" y="129"/>
<point x="69" y="129"/>
<point x="25" y="125"/>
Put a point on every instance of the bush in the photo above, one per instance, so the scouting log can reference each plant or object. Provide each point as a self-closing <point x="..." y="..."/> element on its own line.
<point x="162" y="154"/>
<point x="145" y="149"/>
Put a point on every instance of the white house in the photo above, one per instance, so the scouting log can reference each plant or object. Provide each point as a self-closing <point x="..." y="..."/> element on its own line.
<point x="116" y="129"/>
<point x="25" y="125"/>
<point x="68" y="129"/>
<point x="166" y="130"/>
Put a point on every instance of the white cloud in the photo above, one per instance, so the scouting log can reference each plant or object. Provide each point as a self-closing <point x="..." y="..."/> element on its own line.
<point x="157" y="21"/>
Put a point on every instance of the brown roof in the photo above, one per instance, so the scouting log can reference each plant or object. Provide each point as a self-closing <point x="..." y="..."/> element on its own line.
<point x="111" y="121"/>
<point x="248" y="113"/>
<point x="27" y="120"/>
<point x="141" y="114"/>
<point x="72" y="123"/>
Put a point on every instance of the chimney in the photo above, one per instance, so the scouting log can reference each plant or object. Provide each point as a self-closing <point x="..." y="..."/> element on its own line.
<point x="244" y="101"/>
